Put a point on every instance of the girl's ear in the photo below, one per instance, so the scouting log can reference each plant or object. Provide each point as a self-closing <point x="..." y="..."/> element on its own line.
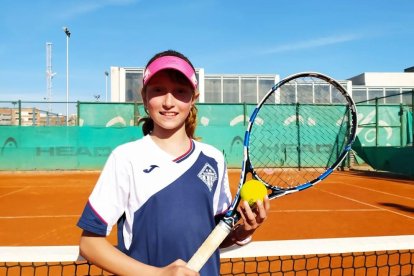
<point x="144" y="99"/>
<point x="195" y="97"/>
<point x="144" y="96"/>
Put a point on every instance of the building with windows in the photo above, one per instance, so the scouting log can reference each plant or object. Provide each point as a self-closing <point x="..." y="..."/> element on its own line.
<point x="368" y="86"/>
<point x="29" y="117"/>
<point x="126" y="84"/>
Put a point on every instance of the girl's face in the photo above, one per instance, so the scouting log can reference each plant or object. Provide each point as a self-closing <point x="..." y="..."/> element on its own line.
<point x="168" y="102"/>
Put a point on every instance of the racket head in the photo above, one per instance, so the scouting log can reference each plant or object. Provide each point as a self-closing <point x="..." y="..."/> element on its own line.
<point x="298" y="134"/>
<point x="308" y="124"/>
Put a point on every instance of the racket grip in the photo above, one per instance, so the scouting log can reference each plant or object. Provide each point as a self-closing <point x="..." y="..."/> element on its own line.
<point x="213" y="241"/>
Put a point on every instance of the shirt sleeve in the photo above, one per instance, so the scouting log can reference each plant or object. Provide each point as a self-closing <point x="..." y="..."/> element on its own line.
<point x="224" y="193"/>
<point x="108" y="199"/>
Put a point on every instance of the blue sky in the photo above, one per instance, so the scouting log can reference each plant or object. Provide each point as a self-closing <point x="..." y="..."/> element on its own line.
<point x="338" y="38"/>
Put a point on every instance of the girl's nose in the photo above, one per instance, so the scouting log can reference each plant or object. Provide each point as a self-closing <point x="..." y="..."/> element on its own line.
<point x="168" y="99"/>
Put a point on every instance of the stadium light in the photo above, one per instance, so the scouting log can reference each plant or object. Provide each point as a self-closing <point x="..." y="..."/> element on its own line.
<point x="67" y="32"/>
<point x="106" y="85"/>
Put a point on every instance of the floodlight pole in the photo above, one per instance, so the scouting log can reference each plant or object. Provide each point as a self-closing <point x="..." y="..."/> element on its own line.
<point x="67" y="32"/>
<point x="106" y="86"/>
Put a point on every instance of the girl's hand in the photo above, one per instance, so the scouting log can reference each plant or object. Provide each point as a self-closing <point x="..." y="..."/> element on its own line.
<point x="252" y="217"/>
<point x="177" y="268"/>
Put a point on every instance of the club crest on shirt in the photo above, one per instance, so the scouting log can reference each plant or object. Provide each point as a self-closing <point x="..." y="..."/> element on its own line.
<point x="208" y="175"/>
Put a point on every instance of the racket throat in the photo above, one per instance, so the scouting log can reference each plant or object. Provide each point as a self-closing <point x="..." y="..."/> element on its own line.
<point x="231" y="220"/>
<point x="275" y="192"/>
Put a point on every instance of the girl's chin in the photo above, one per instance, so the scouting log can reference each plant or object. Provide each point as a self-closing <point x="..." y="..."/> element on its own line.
<point x="170" y="127"/>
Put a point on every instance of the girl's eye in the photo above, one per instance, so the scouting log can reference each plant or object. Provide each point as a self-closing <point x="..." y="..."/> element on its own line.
<point x="156" y="89"/>
<point x="183" y="90"/>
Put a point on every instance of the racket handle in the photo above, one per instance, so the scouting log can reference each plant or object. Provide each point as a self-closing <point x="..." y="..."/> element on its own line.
<point x="213" y="241"/>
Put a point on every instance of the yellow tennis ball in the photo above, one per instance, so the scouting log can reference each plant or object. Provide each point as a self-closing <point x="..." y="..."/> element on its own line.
<point x="252" y="191"/>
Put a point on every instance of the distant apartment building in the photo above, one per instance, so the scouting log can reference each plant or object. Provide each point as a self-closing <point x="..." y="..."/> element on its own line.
<point x="30" y="117"/>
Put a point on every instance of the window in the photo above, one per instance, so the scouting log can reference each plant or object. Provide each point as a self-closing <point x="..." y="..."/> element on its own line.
<point x="249" y="90"/>
<point x="407" y="97"/>
<point x="230" y="90"/>
<point x="359" y="95"/>
<point x="393" y="95"/>
<point x="376" y="93"/>
<point x="133" y="86"/>
<point x="212" y="90"/>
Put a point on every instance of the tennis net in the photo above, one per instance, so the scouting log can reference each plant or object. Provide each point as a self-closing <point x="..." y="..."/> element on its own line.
<point x="388" y="255"/>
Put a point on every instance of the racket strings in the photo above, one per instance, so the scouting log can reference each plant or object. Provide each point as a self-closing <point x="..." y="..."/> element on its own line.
<point x="303" y="131"/>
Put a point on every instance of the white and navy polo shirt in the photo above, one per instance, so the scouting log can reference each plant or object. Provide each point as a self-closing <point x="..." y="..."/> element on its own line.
<point x="164" y="208"/>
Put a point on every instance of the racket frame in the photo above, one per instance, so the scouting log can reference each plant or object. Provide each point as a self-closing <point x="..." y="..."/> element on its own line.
<point x="231" y="215"/>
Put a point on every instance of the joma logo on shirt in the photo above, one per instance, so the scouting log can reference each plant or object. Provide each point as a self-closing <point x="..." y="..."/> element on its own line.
<point x="208" y="175"/>
<point x="150" y="169"/>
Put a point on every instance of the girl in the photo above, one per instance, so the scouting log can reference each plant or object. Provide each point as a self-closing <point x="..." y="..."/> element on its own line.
<point x="165" y="189"/>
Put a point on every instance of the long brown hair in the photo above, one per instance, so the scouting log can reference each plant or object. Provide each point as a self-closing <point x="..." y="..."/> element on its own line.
<point x="191" y="120"/>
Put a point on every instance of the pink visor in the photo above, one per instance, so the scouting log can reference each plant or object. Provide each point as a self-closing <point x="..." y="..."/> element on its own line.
<point x="170" y="62"/>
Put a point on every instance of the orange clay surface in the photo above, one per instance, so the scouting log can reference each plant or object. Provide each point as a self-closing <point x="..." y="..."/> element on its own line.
<point x="42" y="208"/>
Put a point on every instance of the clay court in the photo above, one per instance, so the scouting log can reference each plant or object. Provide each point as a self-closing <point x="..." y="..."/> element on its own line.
<point x="42" y="208"/>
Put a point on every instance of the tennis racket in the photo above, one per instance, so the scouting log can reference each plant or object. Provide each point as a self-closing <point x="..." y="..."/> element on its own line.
<point x="297" y="135"/>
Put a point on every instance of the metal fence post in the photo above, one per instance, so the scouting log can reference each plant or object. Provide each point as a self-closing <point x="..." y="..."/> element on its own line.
<point x="376" y="121"/>
<point x="20" y="112"/>
<point x="77" y="112"/>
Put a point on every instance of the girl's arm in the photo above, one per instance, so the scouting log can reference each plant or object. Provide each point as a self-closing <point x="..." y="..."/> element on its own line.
<point x="97" y="250"/>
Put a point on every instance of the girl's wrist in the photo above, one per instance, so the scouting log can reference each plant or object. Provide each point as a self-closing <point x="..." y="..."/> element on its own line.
<point x="240" y="239"/>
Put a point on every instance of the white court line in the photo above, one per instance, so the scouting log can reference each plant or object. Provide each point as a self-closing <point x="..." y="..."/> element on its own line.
<point x="14" y="186"/>
<point x="42" y="216"/>
<point x="14" y="192"/>
<point x="381" y="192"/>
<point x="271" y="211"/>
<point x="324" y="210"/>
<point x="367" y="204"/>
